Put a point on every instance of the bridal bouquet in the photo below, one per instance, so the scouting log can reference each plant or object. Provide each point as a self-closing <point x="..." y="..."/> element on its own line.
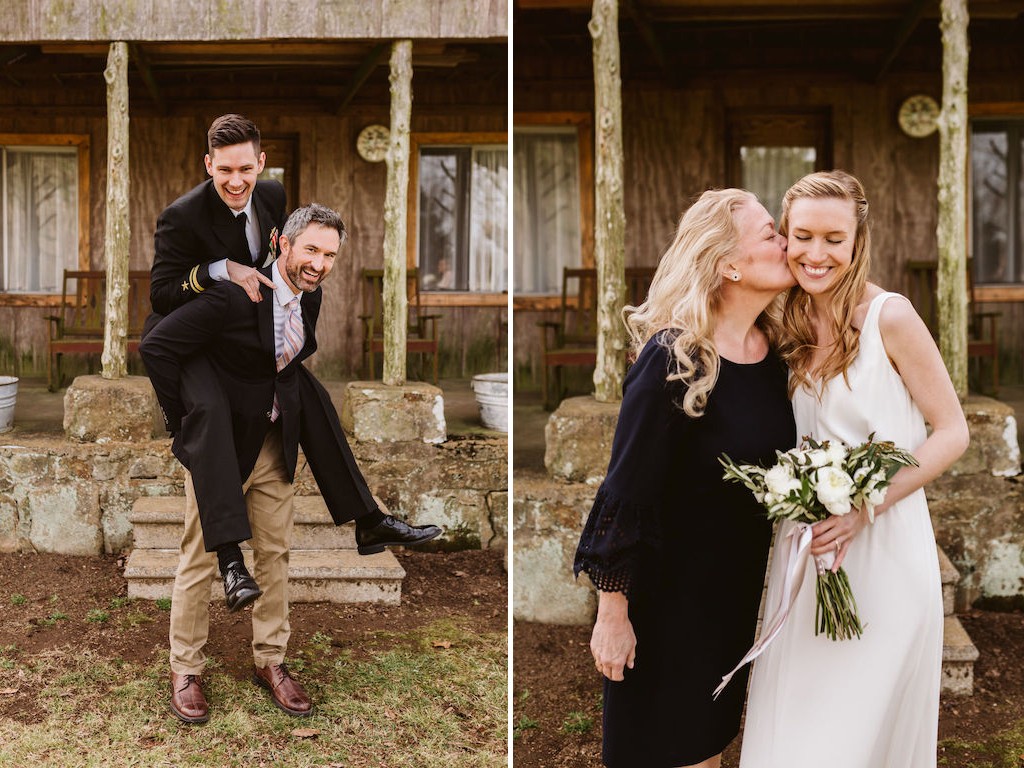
<point x="809" y="483"/>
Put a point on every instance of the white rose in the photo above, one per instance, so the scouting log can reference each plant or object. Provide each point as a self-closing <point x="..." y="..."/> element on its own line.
<point x="876" y="496"/>
<point x="780" y="481"/>
<point x="833" y="488"/>
<point x="817" y="458"/>
<point x="860" y="473"/>
<point x="836" y="454"/>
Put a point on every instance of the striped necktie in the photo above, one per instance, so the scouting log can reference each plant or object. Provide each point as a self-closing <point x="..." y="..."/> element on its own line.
<point x="292" y="337"/>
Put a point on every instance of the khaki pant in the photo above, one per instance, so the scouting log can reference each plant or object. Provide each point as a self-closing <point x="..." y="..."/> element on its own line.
<point x="268" y="497"/>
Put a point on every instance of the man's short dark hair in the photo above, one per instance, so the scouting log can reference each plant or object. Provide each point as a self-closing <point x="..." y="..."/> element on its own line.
<point x="228" y="130"/>
<point x="314" y="213"/>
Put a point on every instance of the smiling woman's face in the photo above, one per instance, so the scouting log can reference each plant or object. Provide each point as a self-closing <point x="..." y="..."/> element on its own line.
<point x="822" y="231"/>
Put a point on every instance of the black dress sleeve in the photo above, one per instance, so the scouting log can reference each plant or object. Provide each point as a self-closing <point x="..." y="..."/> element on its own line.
<point x="624" y="519"/>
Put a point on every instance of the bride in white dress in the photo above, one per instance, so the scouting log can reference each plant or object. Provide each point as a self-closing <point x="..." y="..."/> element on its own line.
<point x="861" y="362"/>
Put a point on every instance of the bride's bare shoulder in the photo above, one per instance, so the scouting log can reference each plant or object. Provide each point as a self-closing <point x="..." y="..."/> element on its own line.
<point x="860" y="313"/>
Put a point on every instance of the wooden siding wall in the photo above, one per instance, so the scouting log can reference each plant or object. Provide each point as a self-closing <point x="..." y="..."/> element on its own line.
<point x="674" y="144"/>
<point x="167" y="160"/>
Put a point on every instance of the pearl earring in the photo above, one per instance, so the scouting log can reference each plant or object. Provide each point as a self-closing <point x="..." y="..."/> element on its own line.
<point x="735" y="277"/>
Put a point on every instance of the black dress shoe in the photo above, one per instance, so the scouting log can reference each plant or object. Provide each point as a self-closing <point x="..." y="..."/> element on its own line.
<point x="393" y="532"/>
<point x="240" y="589"/>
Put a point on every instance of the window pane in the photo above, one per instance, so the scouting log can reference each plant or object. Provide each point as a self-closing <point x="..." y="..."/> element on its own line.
<point x="547" y="209"/>
<point x="488" y="241"/>
<point x="769" y="171"/>
<point x="40" y="232"/>
<point x="990" y="206"/>
<point x="443" y="218"/>
<point x="463" y="215"/>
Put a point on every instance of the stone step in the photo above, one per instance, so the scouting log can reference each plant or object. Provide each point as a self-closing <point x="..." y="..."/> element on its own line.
<point x="157" y="523"/>
<point x="958" y="657"/>
<point x="950" y="578"/>
<point x="334" y="576"/>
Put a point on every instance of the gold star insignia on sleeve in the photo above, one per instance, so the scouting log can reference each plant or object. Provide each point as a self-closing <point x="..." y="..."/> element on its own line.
<point x="184" y="286"/>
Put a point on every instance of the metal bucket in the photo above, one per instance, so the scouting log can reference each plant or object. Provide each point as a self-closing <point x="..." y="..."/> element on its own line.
<point x="491" y="391"/>
<point x="8" y="394"/>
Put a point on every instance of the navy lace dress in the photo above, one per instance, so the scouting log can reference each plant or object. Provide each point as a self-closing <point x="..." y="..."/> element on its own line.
<point x="688" y="550"/>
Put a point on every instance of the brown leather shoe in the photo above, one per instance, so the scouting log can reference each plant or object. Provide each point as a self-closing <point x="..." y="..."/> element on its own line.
<point x="286" y="692"/>
<point x="187" y="700"/>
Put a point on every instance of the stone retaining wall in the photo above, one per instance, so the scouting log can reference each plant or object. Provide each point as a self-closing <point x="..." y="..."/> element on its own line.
<point x="62" y="496"/>
<point x="977" y="509"/>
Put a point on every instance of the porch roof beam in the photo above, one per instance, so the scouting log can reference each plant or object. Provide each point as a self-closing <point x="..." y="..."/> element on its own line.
<point x="36" y="21"/>
<point x="907" y="25"/>
<point x="142" y="63"/>
<point x="361" y="75"/>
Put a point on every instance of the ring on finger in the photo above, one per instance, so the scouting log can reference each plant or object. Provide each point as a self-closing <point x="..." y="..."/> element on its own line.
<point x="839" y="544"/>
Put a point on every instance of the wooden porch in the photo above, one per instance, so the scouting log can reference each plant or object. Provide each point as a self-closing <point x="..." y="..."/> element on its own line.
<point x="701" y="81"/>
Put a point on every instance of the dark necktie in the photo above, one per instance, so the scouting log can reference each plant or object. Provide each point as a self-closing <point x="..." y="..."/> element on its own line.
<point x="243" y="220"/>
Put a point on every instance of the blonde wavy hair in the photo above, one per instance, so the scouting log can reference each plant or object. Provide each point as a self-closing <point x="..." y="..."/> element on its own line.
<point x="684" y="294"/>
<point x="798" y="342"/>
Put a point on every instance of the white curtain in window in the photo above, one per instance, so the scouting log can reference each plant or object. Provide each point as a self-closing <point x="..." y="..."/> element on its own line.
<point x="488" y="239"/>
<point x="769" y="171"/>
<point x="546" y="210"/>
<point x="40" y="232"/>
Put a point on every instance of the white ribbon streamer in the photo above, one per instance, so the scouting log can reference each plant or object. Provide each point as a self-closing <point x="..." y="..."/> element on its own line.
<point x="798" y="548"/>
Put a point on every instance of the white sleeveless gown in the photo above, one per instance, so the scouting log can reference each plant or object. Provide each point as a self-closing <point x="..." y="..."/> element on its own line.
<point x="871" y="702"/>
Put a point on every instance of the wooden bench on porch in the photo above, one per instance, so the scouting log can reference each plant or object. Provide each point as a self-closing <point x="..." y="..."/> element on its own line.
<point x="421" y="331"/>
<point x="572" y="339"/>
<point x="79" y="327"/>
<point x="982" y="327"/>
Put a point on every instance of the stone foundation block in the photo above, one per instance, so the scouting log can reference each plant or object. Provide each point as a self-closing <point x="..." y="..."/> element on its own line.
<point x="958" y="657"/>
<point x="548" y="516"/>
<point x="98" y="410"/>
<point x="578" y="439"/>
<point x="65" y="519"/>
<point x="375" y="412"/>
<point x="993" y="447"/>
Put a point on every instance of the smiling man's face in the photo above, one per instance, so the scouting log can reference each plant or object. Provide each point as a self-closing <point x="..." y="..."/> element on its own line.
<point x="234" y="169"/>
<point x="309" y="260"/>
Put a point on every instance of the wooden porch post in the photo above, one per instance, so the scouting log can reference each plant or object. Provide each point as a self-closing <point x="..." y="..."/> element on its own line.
<point x="951" y="231"/>
<point x="610" y="216"/>
<point x="395" y="299"/>
<point x="116" y="241"/>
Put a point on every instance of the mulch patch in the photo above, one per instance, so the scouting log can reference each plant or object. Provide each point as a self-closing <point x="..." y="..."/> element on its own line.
<point x="554" y="676"/>
<point x="45" y="601"/>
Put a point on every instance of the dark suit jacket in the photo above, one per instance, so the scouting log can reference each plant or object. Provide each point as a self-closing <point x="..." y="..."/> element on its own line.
<point x="237" y="337"/>
<point x="198" y="228"/>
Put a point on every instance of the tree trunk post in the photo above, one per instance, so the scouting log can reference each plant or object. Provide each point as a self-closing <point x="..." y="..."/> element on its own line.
<point x="395" y="214"/>
<point x="117" y="228"/>
<point x="609" y="209"/>
<point x="951" y="232"/>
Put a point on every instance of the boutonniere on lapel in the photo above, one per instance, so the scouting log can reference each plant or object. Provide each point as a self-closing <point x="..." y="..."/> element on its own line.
<point x="273" y="243"/>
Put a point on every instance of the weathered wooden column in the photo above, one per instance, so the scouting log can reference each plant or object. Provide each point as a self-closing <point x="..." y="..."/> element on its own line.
<point x="113" y="406"/>
<point x="610" y="216"/>
<point x="951" y="233"/>
<point x="117" y="228"/>
<point x="395" y="214"/>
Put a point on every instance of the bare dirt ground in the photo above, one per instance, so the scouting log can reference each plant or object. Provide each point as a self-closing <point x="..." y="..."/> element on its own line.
<point x="55" y="602"/>
<point x="557" y="699"/>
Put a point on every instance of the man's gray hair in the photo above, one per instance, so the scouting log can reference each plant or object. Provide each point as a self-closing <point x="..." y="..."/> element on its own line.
<point x="314" y="213"/>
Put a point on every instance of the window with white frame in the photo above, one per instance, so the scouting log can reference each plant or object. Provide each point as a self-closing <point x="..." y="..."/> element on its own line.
<point x="462" y="217"/>
<point x="997" y="200"/>
<point x="39" y="197"/>
<point x="547" y="206"/>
